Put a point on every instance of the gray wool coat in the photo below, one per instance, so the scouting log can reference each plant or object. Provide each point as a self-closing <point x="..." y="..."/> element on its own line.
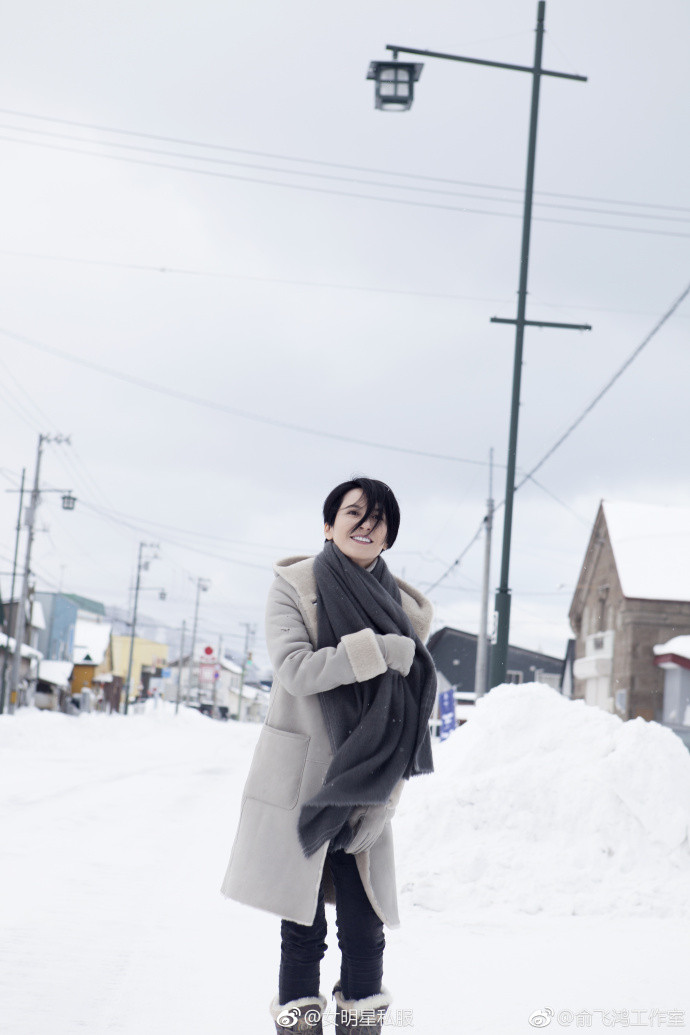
<point x="267" y="867"/>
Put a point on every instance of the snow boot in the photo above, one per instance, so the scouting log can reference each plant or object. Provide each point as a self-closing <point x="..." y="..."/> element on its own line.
<point x="299" y="1015"/>
<point x="360" y="1016"/>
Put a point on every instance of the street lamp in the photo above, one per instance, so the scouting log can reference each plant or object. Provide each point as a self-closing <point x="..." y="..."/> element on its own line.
<point x="502" y="605"/>
<point x="394" y="83"/>
<point x="68" y="501"/>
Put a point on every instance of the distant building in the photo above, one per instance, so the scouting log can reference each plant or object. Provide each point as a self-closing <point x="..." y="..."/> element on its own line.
<point x="673" y="658"/>
<point x="91" y="642"/>
<point x="633" y="594"/>
<point x="30" y="655"/>
<point x="146" y="654"/>
<point x="62" y="611"/>
<point x="218" y="683"/>
<point x="455" y="656"/>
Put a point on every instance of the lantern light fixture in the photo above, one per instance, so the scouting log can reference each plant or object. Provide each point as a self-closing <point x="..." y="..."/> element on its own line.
<point x="394" y="83"/>
<point x="68" y="501"/>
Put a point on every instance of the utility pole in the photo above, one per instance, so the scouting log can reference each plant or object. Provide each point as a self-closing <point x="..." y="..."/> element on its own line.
<point x="249" y="634"/>
<point x="394" y="89"/>
<point x="202" y="585"/>
<point x="179" y="668"/>
<point x="20" y="614"/>
<point x="3" y="678"/>
<point x="217" y="676"/>
<point x="480" y="673"/>
<point x="141" y="565"/>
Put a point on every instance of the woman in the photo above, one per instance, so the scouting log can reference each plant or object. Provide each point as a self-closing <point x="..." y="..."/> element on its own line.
<point x="347" y="723"/>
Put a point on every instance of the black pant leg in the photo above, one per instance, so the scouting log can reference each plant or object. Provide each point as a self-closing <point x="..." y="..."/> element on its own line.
<point x="360" y="931"/>
<point x="301" y="950"/>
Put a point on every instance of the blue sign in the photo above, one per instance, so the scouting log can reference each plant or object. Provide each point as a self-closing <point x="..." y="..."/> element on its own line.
<point x="166" y="673"/>
<point x="446" y="714"/>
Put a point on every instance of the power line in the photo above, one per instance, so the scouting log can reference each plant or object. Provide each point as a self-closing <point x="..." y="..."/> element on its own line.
<point x="609" y="384"/>
<point x="345" y="194"/>
<point x="158" y="525"/>
<point x="246" y="277"/>
<point x="232" y="411"/>
<point x="332" y="165"/>
<point x="329" y="285"/>
<point x="457" y="560"/>
<point x="331" y="176"/>
<point x="588" y="409"/>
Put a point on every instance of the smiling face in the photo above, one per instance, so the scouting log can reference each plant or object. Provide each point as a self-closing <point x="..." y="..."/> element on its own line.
<point x="362" y="543"/>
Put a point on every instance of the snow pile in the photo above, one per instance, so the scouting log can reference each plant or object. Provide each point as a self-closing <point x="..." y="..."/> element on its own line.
<point x="542" y="804"/>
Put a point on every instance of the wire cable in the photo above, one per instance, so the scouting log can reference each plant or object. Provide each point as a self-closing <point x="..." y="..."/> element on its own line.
<point x="457" y="560"/>
<point x="346" y="194"/>
<point x="609" y="384"/>
<point x="339" y="178"/>
<point x="332" y="165"/>
<point x="559" y="442"/>
<point x="210" y="404"/>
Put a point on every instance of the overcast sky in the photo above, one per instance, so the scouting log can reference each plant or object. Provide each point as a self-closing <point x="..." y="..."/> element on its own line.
<point x="326" y="265"/>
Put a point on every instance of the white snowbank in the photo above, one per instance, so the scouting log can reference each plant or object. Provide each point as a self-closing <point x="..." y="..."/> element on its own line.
<point x="543" y="804"/>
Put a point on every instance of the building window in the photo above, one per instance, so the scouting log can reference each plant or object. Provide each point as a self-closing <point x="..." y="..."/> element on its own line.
<point x="513" y="676"/>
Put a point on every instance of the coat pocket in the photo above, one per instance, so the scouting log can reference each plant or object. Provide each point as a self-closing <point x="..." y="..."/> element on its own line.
<point x="275" y="776"/>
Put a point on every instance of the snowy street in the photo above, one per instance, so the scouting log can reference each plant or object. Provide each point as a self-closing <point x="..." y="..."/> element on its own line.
<point x="117" y="831"/>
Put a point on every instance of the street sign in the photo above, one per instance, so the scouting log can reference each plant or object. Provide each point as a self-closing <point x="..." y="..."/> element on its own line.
<point x="446" y="714"/>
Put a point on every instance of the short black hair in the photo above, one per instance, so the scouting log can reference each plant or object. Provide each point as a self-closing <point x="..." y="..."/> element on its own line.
<point x="379" y="497"/>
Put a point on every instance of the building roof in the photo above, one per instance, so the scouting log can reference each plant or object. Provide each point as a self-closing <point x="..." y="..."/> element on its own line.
<point x="448" y="630"/>
<point x="26" y="652"/>
<point x="84" y="604"/>
<point x="674" y="653"/>
<point x="56" y="672"/>
<point x="651" y="548"/>
<point x="38" y="620"/>
<point x="90" y="641"/>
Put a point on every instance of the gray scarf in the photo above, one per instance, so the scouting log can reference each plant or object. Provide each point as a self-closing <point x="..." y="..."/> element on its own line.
<point x="378" y="729"/>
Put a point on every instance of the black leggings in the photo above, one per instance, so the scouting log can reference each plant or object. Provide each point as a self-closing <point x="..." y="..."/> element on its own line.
<point x="360" y="937"/>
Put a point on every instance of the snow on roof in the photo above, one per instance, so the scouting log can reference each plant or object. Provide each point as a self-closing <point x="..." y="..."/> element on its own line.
<point x="84" y="604"/>
<point x="90" y="641"/>
<point x="230" y="666"/>
<point x="38" y="620"/>
<point x="651" y="547"/>
<point x="678" y="645"/>
<point x="26" y="651"/>
<point x="56" y="672"/>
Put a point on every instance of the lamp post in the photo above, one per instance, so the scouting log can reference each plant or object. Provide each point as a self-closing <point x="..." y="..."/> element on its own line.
<point x="502" y="600"/>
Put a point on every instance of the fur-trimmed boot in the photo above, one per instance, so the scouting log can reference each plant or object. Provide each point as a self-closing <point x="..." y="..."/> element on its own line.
<point x="360" y="1016"/>
<point x="299" y="1015"/>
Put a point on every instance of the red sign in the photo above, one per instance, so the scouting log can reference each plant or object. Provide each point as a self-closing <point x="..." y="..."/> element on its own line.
<point x="208" y="650"/>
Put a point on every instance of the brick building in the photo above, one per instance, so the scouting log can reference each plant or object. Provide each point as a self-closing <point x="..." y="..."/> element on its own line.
<point x="633" y="593"/>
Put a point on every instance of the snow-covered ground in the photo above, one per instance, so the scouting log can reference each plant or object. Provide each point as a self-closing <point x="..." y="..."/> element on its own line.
<point x="544" y="872"/>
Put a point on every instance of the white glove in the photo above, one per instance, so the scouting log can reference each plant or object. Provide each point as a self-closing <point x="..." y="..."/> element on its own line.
<point x="398" y="651"/>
